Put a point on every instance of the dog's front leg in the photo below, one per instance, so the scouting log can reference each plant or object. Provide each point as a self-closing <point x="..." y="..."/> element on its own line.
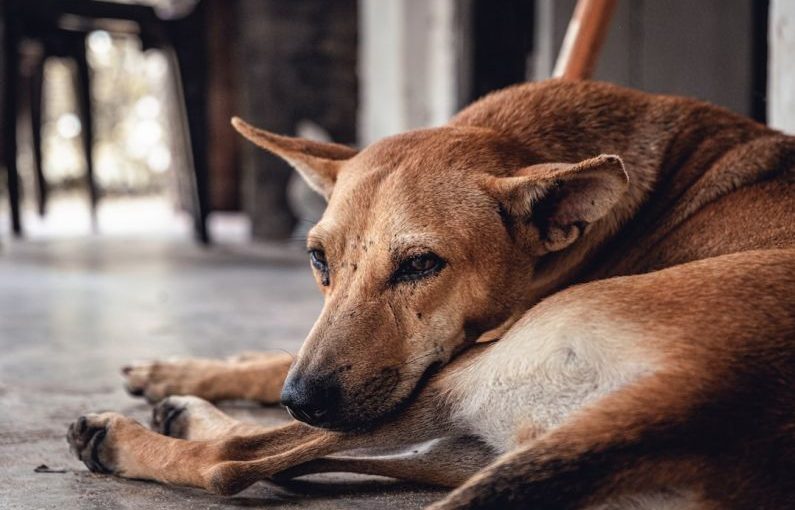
<point x="195" y="419"/>
<point x="252" y="376"/>
<point x="114" y="444"/>
<point x="446" y="462"/>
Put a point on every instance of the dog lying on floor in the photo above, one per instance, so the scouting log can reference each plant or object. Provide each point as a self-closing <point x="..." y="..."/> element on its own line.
<point x="632" y="254"/>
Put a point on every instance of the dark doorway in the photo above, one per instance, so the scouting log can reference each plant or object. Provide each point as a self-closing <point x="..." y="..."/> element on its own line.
<point x="502" y="39"/>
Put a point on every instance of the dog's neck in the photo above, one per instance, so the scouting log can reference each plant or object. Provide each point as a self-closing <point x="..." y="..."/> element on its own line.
<point x="677" y="152"/>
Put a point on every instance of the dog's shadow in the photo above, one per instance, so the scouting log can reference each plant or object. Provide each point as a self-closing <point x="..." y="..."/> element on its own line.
<point x="335" y="491"/>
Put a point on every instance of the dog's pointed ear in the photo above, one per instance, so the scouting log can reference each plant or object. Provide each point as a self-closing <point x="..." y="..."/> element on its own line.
<point x="317" y="162"/>
<point x="561" y="199"/>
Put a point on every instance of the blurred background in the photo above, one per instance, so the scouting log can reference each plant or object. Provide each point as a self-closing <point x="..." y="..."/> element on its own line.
<point x="116" y="115"/>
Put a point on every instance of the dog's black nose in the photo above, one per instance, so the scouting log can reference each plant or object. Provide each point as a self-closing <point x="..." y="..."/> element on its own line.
<point x="311" y="399"/>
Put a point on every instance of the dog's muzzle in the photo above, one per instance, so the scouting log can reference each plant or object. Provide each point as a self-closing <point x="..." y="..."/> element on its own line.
<point x="312" y="400"/>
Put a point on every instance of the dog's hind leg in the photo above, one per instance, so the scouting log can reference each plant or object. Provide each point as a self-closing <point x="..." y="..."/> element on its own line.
<point x="251" y="376"/>
<point x="632" y="441"/>
<point x="446" y="462"/>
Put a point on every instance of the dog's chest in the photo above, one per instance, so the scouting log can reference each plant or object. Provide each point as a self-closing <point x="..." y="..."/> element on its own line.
<point x="535" y="377"/>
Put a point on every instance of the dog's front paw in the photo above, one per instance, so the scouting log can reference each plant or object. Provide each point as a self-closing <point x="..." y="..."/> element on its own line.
<point x="188" y="417"/>
<point x="91" y="440"/>
<point x="152" y="380"/>
<point x="172" y="415"/>
<point x="156" y="380"/>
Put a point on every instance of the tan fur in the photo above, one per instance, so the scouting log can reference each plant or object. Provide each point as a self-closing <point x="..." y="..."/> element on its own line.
<point x="659" y="370"/>
<point x="251" y="376"/>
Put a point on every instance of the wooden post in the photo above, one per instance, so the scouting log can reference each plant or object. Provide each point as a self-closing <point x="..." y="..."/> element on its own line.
<point x="584" y="38"/>
<point x="221" y="80"/>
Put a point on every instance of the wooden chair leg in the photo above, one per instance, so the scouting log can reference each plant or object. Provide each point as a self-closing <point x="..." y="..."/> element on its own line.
<point x="10" y="111"/>
<point x="36" y="115"/>
<point x="194" y="139"/>
<point x="189" y="56"/>
<point x="83" y="88"/>
<point x="584" y="38"/>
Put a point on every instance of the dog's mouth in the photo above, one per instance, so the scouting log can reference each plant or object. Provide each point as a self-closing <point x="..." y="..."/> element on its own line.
<point x="304" y="416"/>
<point x="362" y="419"/>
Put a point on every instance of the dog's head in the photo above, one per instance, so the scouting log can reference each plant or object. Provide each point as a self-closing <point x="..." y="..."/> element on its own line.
<point x="430" y="240"/>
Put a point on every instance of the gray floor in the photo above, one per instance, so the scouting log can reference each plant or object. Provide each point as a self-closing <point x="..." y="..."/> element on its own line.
<point x="72" y="312"/>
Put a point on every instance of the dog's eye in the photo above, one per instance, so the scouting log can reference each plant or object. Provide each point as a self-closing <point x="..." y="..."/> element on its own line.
<point x="318" y="260"/>
<point x="418" y="266"/>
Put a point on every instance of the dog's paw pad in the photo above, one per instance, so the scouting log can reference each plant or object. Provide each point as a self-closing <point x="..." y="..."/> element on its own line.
<point x="169" y="417"/>
<point x="174" y="416"/>
<point x="88" y="441"/>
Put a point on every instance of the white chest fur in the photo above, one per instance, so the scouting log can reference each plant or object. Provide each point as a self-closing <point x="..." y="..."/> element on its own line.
<point x="550" y="364"/>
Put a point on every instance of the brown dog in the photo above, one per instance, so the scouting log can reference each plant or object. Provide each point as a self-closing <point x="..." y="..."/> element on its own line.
<point x="659" y="369"/>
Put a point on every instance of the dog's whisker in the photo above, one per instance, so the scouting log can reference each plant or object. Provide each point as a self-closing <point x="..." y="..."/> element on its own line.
<point x="292" y="356"/>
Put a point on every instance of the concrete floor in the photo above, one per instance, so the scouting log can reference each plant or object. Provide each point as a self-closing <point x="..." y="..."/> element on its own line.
<point x="73" y="311"/>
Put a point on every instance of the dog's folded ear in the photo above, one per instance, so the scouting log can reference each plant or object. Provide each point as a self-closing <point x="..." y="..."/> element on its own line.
<point x="561" y="199"/>
<point x="317" y="162"/>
